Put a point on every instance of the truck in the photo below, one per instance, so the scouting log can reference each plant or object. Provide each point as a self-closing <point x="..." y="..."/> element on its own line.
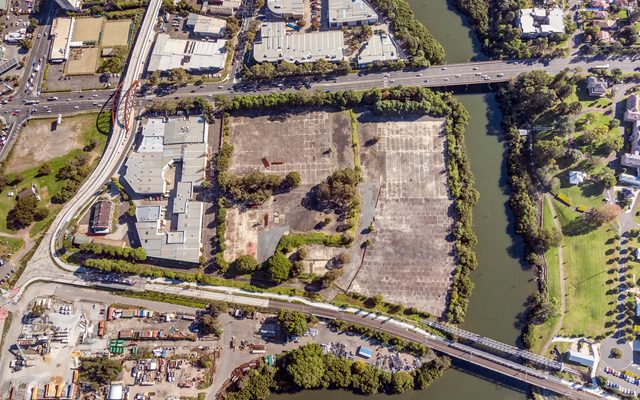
<point x="30" y="102"/>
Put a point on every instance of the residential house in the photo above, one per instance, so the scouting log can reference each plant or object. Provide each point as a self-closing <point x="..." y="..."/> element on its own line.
<point x="604" y="37"/>
<point x="577" y="177"/>
<point x="600" y="4"/>
<point x="537" y="22"/>
<point x="604" y="23"/>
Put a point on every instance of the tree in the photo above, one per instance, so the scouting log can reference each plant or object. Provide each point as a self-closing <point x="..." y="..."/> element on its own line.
<point x="207" y="321"/>
<point x="255" y="385"/>
<point x="606" y="213"/>
<point x="26" y="43"/>
<point x="542" y="309"/>
<point x="293" y="322"/>
<point x="306" y="366"/>
<point x="291" y="180"/>
<point x="245" y="264"/>
<point x="178" y="76"/>
<point x="24" y="211"/>
<point x="549" y="237"/>
<point x="337" y="372"/>
<point x="278" y="267"/>
<point x="401" y="381"/>
<point x="38" y="310"/>
<point x="41" y="213"/>
<point x="365" y="378"/>
<point x="616" y="353"/>
<point x="99" y="371"/>
<point x="430" y="371"/>
<point x="45" y="169"/>
<point x="154" y="78"/>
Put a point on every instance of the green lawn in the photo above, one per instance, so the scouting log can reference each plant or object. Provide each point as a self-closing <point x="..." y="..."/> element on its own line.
<point x="542" y="332"/>
<point x="594" y="119"/>
<point x="10" y="245"/>
<point x="49" y="185"/>
<point x="586" y="273"/>
<point x="588" y="193"/>
<point x="582" y="96"/>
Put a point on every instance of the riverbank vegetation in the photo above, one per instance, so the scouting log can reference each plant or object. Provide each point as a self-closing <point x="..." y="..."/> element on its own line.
<point x="309" y="368"/>
<point x="565" y="138"/>
<point x="495" y="22"/>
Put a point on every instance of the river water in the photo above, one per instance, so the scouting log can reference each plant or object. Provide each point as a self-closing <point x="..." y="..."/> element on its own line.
<point x="502" y="285"/>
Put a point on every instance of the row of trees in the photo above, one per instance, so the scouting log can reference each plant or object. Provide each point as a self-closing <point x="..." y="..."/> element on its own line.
<point x="25" y="212"/>
<point x="267" y="70"/>
<point x="74" y="172"/>
<point x="308" y="368"/>
<point x="137" y="254"/>
<point x="256" y="187"/>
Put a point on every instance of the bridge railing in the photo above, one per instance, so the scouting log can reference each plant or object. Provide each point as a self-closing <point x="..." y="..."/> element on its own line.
<point x="494" y="344"/>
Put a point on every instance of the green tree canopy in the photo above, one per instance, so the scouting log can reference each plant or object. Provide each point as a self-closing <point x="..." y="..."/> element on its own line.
<point x="306" y="366"/>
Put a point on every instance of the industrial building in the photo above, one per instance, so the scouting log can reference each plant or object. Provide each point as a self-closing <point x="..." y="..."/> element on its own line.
<point x="61" y="30"/>
<point x="287" y="9"/>
<point x="192" y="55"/>
<point x="350" y="13"/>
<point x="379" y="48"/>
<point x="537" y="22"/>
<point x="170" y="162"/>
<point x="276" y="44"/>
<point x="221" y="7"/>
<point x="206" y="27"/>
<point x="102" y="217"/>
<point x="577" y="357"/>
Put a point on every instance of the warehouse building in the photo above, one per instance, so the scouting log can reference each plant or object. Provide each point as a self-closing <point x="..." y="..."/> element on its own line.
<point x="287" y="9"/>
<point x="61" y="30"/>
<point x="169" y="164"/>
<point x="206" y="27"/>
<point x="221" y="7"/>
<point x="276" y="44"/>
<point x="350" y="13"/>
<point x="379" y="48"/>
<point x="192" y="55"/>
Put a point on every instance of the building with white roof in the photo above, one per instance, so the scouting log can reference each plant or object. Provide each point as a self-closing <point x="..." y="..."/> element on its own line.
<point x="192" y="55"/>
<point x="535" y="22"/>
<point x="632" y="112"/>
<point x="208" y="27"/>
<point x="350" y="13"/>
<point x="221" y="7"/>
<point x="170" y="161"/>
<point x="379" y="48"/>
<point x="116" y="392"/>
<point x="61" y="30"/>
<point x="288" y="9"/>
<point x="276" y="44"/>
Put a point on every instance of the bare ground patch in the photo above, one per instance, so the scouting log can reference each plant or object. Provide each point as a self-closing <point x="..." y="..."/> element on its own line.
<point x="38" y="142"/>
<point x="83" y="61"/>
<point x="411" y="260"/>
<point x="87" y="30"/>
<point x="116" y="33"/>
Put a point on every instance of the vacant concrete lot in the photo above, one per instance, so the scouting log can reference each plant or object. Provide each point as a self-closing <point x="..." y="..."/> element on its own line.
<point x="116" y="33"/>
<point x="83" y="61"/>
<point x="314" y="144"/>
<point x="411" y="260"/>
<point x="87" y="30"/>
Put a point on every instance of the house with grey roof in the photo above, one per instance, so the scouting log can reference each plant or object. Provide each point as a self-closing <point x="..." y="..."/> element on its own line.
<point x="287" y="9"/>
<point x="597" y="87"/>
<point x="538" y="22"/>
<point x="379" y="48"/>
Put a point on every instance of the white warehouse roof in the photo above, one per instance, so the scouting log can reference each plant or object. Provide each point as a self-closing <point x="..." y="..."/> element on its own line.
<point x="276" y="44"/>
<point x="192" y="55"/>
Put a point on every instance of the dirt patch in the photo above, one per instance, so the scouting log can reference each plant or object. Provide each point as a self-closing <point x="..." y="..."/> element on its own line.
<point x="39" y="142"/>
<point x="83" y="61"/>
<point x="116" y="33"/>
<point x="87" y="30"/>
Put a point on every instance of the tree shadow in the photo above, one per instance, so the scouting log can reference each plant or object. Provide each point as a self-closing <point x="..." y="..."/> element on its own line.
<point x="579" y="226"/>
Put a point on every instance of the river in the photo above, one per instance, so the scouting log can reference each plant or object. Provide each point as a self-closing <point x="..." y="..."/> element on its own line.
<point x="502" y="285"/>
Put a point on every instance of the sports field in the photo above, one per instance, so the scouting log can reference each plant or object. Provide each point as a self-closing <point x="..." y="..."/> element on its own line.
<point x="116" y="33"/>
<point x="87" y="30"/>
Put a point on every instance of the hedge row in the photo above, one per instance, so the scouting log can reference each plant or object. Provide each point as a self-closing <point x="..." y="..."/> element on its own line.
<point x="137" y="254"/>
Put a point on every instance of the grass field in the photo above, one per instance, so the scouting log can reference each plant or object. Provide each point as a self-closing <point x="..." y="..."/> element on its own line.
<point x="593" y="119"/>
<point x="544" y="331"/>
<point x="9" y="245"/>
<point x="582" y="96"/>
<point x="87" y="29"/>
<point x="586" y="273"/>
<point x="48" y="185"/>
<point x="588" y="194"/>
